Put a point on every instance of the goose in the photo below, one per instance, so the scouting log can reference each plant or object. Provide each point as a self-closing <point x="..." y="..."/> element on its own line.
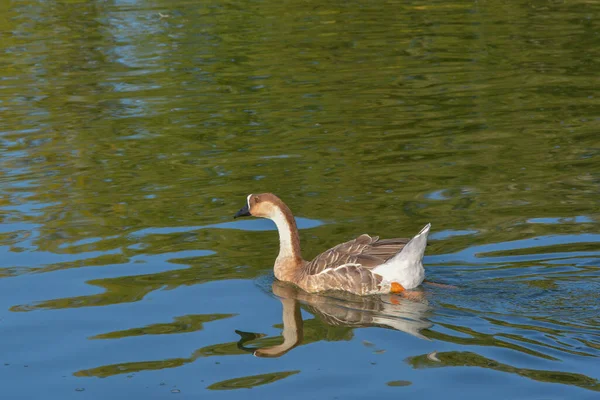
<point x="363" y="266"/>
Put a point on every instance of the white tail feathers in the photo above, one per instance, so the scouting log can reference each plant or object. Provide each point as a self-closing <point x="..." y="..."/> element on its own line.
<point x="406" y="267"/>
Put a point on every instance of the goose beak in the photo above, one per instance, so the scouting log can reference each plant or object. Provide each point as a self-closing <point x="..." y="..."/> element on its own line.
<point x="244" y="212"/>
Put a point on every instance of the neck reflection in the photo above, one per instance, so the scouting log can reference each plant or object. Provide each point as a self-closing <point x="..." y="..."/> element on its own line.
<point x="340" y="310"/>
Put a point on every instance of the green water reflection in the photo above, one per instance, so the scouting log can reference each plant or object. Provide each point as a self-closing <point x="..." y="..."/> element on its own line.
<point x="468" y="359"/>
<point x="249" y="382"/>
<point x="131" y="131"/>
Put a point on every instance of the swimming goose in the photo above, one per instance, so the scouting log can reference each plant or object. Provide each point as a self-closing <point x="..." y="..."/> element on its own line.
<point x="365" y="265"/>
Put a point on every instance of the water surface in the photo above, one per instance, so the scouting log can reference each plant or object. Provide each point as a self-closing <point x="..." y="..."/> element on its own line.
<point x="132" y="131"/>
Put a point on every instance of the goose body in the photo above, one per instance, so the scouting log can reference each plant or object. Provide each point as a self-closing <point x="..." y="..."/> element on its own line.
<point x="365" y="265"/>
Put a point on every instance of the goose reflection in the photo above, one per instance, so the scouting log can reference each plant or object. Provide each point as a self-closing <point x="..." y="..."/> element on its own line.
<point x="340" y="310"/>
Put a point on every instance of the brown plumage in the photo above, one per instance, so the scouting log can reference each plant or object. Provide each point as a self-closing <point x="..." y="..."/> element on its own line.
<point x="365" y="250"/>
<point x="347" y="266"/>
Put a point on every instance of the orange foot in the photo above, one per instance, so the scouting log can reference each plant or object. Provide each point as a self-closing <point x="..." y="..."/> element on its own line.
<point x="413" y="295"/>
<point x="397" y="288"/>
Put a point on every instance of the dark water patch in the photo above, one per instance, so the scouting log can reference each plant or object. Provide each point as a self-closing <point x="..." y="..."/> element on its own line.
<point x="468" y="359"/>
<point x="248" y="382"/>
<point x="188" y="323"/>
<point x="399" y="383"/>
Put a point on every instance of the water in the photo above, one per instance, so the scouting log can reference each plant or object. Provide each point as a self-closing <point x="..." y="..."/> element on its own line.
<point x="132" y="131"/>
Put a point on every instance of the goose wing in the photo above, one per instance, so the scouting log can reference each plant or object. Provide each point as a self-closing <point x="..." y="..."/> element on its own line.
<point x="364" y="251"/>
<point x="348" y="277"/>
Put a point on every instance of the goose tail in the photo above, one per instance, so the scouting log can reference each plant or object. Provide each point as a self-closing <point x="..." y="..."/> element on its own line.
<point x="406" y="267"/>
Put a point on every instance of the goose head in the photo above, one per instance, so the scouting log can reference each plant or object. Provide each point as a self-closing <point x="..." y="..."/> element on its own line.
<point x="267" y="205"/>
<point x="264" y="205"/>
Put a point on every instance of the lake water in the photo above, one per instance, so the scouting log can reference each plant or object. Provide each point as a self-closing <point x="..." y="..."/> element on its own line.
<point x="132" y="131"/>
